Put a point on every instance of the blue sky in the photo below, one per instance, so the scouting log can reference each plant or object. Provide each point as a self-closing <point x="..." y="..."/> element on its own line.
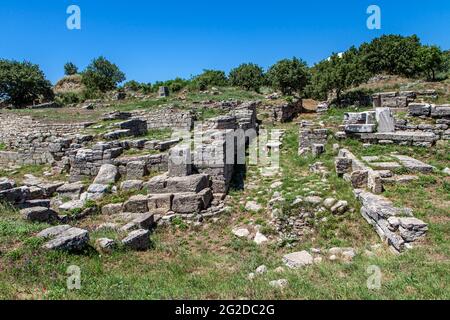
<point x="159" y="40"/>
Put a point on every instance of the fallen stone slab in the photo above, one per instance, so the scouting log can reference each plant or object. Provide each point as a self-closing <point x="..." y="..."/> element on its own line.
<point x="298" y="259"/>
<point x="137" y="240"/>
<point x="193" y="183"/>
<point x="112" y="209"/>
<point x="72" y="205"/>
<point x="6" y="184"/>
<point x="71" y="190"/>
<point x="136" y="170"/>
<point x="39" y="214"/>
<point x="385" y="165"/>
<point x="95" y="192"/>
<point x="107" y="174"/>
<point x="419" y="109"/>
<point x="53" y="231"/>
<point x="414" y="165"/>
<point x="15" y="195"/>
<point x="129" y="185"/>
<point x="73" y="239"/>
<point x="360" y="128"/>
<point x="185" y="203"/>
<point x="136" y="204"/>
<point x="160" y="201"/>
<point x="35" y="203"/>
<point x="441" y="111"/>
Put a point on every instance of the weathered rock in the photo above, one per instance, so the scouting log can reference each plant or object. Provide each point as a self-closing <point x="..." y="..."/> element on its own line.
<point x="136" y="170"/>
<point x="193" y="183"/>
<point x="39" y="214"/>
<point x="53" y="231"/>
<point x="129" y="185"/>
<point x="105" y="245"/>
<point x="112" y="209"/>
<point x="313" y="200"/>
<point x="329" y="202"/>
<point x="160" y="201"/>
<point x="252" y="206"/>
<point x="156" y="184"/>
<point x="186" y="203"/>
<point x="6" y="184"/>
<point x="261" y="269"/>
<point x="72" y="205"/>
<point x="241" y="232"/>
<point x="279" y="284"/>
<point x="385" y="119"/>
<point x="260" y="238"/>
<point x="298" y="259"/>
<point x="69" y="240"/>
<point x="95" y="192"/>
<point x="136" y="204"/>
<point x="340" y="207"/>
<point x="71" y="190"/>
<point x="180" y="161"/>
<point x="137" y="240"/>
<point x="107" y="174"/>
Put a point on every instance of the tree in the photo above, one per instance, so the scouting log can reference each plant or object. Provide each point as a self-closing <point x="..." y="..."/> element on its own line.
<point x="70" y="69"/>
<point x="289" y="76"/>
<point x="22" y="83"/>
<point x="248" y="76"/>
<point x="430" y="59"/>
<point x="392" y="54"/>
<point x="102" y="75"/>
<point x="210" y="78"/>
<point x="337" y="74"/>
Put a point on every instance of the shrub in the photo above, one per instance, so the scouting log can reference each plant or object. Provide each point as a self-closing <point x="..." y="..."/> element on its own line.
<point x="68" y="98"/>
<point x="102" y="75"/>
<point x="289" y="76"/>
<point x="132" y="85"/>
<point x="210" y="78"/>
<point x="248" y="76"/>
<point x="22" y="83"/>
<point x="70" y="69"/>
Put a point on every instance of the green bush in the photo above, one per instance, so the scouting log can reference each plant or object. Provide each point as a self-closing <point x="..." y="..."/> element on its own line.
<point x="248" y="76"/>
<point x="70" y="69"/>
<point x="69" y="98"/>
<point x="210" y="78"/>
<point x="102" y="75"/>
<point x="22" y="83"/>
<point x="289" y="76"/>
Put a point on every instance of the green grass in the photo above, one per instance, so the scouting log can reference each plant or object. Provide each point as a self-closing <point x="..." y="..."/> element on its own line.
<point x="2" y="147"/>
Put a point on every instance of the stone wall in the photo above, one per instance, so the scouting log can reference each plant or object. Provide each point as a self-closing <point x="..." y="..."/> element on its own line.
<point x="400" y="99"/>
<point x="167" y="118"/>
<point x="86" y="162"/>
<point x="283" y="111"/>
<point x="309" y="136"/>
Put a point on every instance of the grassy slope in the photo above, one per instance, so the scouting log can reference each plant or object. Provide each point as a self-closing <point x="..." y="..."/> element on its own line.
<point x="208" y="262"/>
